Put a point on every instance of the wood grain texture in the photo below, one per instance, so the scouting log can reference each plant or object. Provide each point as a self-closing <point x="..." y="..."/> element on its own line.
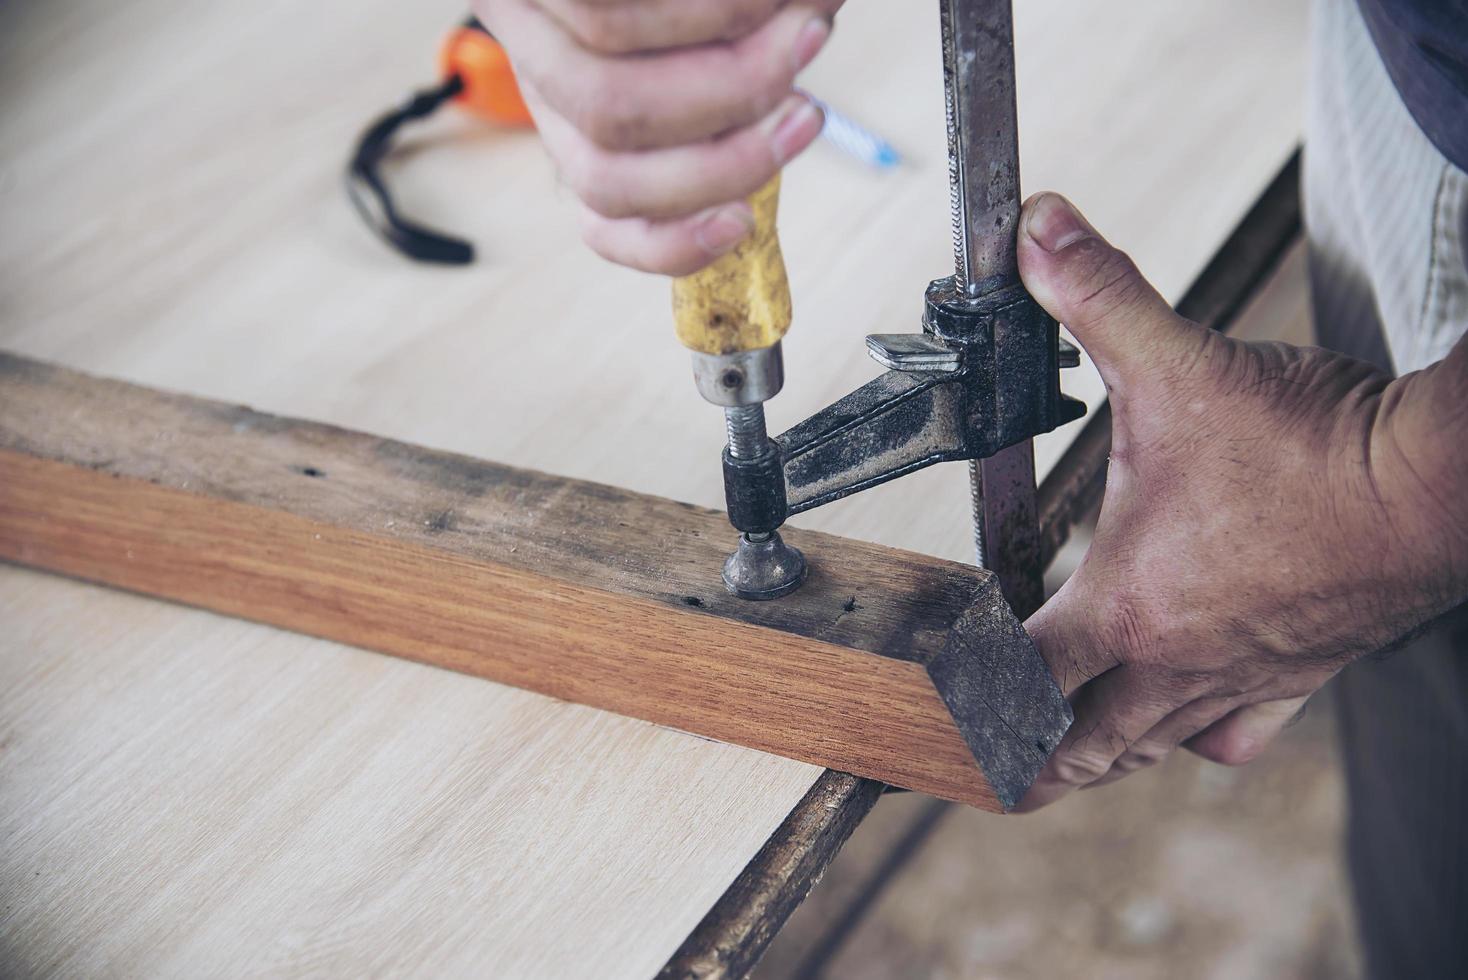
<point x="887" y="664"/>
<point x="202" y="795"/>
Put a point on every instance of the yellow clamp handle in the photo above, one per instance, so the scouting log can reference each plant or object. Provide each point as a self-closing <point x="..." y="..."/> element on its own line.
<point x="742" y="301"/>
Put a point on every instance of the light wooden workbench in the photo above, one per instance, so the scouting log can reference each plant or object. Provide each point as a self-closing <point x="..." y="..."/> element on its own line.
<point x="183" y="794"/>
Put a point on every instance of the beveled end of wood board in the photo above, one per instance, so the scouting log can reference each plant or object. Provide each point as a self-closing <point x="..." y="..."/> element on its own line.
<point x="1001" y="696"/>
<point x="887" y="664"/>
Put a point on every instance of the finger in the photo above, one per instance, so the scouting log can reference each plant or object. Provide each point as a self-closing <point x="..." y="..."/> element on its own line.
<point x="1111" y="713"/>
<point x="1167" y="735"/>
<point x="625" y="26"/>
<point x="1098" y="293"/>
<point x="677" y="181"/>
<point x="1063" y="631"/>
<point x="673" y="248"/>
<point x="1245" y="732"/>
<point x="638" y="102"/>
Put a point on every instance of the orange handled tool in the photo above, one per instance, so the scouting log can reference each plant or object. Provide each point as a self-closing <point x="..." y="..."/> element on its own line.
<point x="477" y="76"/>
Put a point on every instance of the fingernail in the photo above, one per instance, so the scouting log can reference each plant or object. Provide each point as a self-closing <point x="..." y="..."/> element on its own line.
<point x="810" y="40"/>
<point x="724" y="228"/>
<point x="796" y="123"/>
<point x="1053" y="223"/>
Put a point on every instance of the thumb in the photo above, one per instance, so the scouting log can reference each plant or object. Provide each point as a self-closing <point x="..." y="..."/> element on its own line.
<point x="1064" y="633"/>
<point x="1097" y="292"/>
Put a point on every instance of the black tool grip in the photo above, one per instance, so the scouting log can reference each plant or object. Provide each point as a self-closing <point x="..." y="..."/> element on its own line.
<point x="754" y="491"/>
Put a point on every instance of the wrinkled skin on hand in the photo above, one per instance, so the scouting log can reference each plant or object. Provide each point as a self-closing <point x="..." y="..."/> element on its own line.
<point x="1259" y="530"/>
<point x="664" y="115"/>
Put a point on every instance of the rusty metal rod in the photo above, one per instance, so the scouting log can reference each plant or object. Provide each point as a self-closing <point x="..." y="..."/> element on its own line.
<point x="983" y="141"/>
<point x="983" y="185"/>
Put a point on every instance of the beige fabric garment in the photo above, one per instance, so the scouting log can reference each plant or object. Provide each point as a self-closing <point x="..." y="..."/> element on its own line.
<point x="1386" y="214"/>
<point x="1383" y="203"/>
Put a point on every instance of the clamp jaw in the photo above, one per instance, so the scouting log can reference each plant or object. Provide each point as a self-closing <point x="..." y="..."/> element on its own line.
<point x="984" y="374"/>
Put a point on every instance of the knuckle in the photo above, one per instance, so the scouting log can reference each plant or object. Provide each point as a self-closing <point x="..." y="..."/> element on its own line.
<point x="644" y="254"/>
<point x="1300" y="687"/>
<point x="683" y="262"/>
<point x="1080" y="768"/>
<point x="610" y="29"/>
<point x="1232" y="750"/>
<point x="1134" y="632"/>
<point x="766" y="86"/>
<point x="739" y="19"/>
<point x="1231" y="686"/>
<point x="1080" y="667"/>
<point x="1142" y="755"/>
<point x="760" y="80"/>
<point x="731" y="176"/>
<point x="615" y="128"/>
<point x="593" y="232"/>
<point x="1192" y="684"/>
<point x="595" y="240"/>
<point x="600" y="28"/>
<point x="601" y="111"/>
<point x="745" y="154"/>
<point x="591" y="176"/>
<point x="576" y="168"/>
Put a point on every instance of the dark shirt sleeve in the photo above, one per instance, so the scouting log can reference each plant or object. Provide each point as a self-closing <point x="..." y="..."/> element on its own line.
<point x="1424" y="44"/>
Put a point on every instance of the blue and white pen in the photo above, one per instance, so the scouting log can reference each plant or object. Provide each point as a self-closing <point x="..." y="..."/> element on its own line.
<point x="855" y="140"/>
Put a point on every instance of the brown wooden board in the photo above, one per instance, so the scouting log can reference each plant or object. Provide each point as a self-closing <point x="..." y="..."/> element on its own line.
<point x="887" y="664"/>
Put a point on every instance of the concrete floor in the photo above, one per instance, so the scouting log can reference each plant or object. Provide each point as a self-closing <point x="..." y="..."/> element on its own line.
<point x="1190" y="869"/>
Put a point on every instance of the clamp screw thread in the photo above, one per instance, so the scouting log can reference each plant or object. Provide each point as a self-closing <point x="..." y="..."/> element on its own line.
<point x="745" y="425"/>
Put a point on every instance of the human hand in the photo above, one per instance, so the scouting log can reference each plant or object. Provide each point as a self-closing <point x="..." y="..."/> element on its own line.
<point x="664" y="115"/>
<point x="1259" y="529"/>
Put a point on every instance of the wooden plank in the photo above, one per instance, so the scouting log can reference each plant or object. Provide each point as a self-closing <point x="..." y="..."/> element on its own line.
<point x="887" y="664"/>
